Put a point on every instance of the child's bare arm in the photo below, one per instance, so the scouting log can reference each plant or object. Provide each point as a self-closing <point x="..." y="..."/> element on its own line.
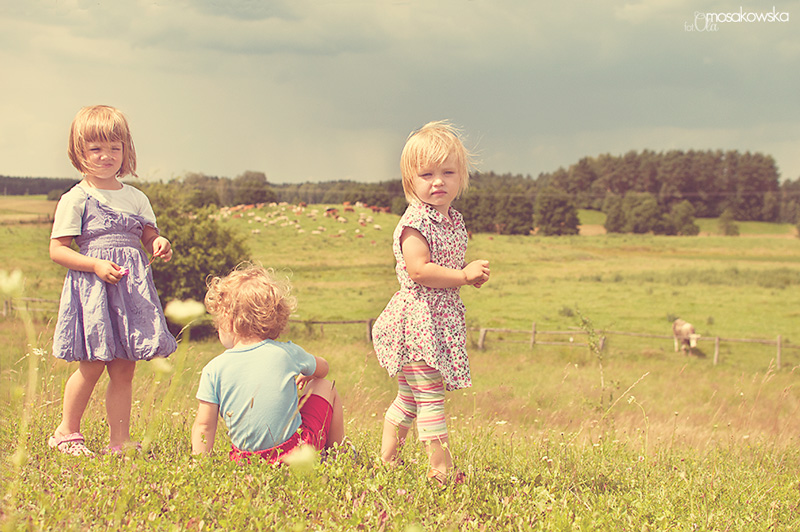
<point x="417" y="256"/>
<point x="320" y="373"/>
<point x="155" y="244"/>
<point x="204" y="429"/>
<point x="61" y="253"/>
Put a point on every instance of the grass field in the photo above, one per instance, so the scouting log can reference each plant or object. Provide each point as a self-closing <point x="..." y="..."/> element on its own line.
<point x="634" y="437"/>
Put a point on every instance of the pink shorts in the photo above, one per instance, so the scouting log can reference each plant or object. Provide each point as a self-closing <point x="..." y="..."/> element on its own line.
<point x="316" y="414"/>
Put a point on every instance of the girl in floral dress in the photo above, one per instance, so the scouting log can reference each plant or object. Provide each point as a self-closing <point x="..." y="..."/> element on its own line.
<point x="421" y="334"/>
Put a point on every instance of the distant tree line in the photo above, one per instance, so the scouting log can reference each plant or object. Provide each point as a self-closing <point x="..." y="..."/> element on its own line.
<point x="660" y="192"/>
<point x="28" y="186"/>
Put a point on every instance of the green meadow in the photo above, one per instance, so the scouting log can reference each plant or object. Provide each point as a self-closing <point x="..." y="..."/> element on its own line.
<point x="633" y="436"/>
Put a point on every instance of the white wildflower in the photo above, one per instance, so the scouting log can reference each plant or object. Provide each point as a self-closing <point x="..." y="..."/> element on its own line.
<point x="11" y="283"/>
<point x="184" y="312"/>
<point x="161" y="365"/>
<point x="302" y="458"/>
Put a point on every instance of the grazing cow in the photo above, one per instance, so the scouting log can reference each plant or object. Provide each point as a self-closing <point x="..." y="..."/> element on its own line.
<point x="685" y="336"/>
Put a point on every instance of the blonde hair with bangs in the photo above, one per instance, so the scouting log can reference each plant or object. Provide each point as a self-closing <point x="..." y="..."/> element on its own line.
<point x="431" y="145"/>
<point x="250" y="302"/>
<point x="101" y="123"/>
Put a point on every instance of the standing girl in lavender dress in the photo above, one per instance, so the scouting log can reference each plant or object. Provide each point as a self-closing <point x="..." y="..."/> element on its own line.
<point x="421" y="335"/>
<point x="110" y="315"/>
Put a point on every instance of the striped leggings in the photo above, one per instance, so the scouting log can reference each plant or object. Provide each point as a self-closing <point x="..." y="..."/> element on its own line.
<point x="420" y="396"/>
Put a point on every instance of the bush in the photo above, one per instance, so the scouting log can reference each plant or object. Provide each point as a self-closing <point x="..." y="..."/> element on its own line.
<point x="642" y="213"/>
<point x="615" y="217"/>
<point x="727" y="225"/>
<point x="202" y="246"/>
<point x="680" y="220"/>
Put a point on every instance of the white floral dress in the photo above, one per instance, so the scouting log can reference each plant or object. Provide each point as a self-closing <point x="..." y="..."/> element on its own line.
<point x="421" y="323"/>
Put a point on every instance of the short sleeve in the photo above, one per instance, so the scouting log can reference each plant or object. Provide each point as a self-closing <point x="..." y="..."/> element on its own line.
<point x="305" y="363"/>
<point x="208" y="389"/>
<point x="68" y="219"/>
<point x="142" y="205"/>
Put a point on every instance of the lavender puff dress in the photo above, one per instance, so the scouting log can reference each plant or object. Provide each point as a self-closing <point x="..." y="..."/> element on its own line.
<point x="99" y="321"/>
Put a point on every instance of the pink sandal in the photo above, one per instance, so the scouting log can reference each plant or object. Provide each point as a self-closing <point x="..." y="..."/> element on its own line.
<point x="71" y="444"/>
<point x="442" y="479"/>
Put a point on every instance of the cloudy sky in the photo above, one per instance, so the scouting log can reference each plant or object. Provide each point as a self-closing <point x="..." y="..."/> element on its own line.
<point x="317" y="90"/>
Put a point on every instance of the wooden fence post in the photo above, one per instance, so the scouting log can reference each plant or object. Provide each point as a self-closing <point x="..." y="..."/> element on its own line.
<point x="481" y="338"/>
<point x="533" y="335"/>
<point x="369" y="329"/>
<point x="716" y="350"/>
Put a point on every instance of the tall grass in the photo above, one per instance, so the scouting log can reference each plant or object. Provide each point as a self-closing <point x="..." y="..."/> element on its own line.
<point x="541" y="449"/>
<point x="633" y="437"/>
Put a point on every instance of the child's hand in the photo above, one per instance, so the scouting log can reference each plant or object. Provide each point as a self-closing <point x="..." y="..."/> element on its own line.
<point x="477" y="272"/>
<point x="108" y="271"/>
<point x="162" y="248"/>
<point x="302" y="380"/>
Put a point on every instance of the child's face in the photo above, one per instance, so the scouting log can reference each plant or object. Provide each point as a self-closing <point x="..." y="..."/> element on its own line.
<point x="105" y="159"/>
<point x="437" y="185"/>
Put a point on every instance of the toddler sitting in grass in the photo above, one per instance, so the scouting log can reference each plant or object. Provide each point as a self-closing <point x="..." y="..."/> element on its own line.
<point x="254" y="384"/>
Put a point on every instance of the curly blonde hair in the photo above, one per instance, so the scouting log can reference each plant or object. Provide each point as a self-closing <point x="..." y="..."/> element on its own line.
<point x="250" y="302"/>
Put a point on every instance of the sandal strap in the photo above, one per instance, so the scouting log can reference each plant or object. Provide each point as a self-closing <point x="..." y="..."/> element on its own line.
<point x="71" y="444"/>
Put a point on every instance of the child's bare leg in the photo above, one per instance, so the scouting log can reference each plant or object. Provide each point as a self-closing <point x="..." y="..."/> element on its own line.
<point x="77" y="393"/>
<point x="326" y="389"/>
<point x="118" y="400"/>
<point x="439" y="455"/>
<point x="391" y="441"/>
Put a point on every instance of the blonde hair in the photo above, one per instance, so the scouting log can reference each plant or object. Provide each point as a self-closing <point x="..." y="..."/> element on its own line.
<point x="101" y="123"/>
<point x="431" y="145"/>
<point x="250" y="302"/>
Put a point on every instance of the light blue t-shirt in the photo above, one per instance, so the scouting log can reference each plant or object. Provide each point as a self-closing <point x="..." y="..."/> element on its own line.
<point x="255" y="389"/>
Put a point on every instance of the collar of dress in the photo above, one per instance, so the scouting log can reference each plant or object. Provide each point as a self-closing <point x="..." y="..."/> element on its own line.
<point x="438" y="217"/>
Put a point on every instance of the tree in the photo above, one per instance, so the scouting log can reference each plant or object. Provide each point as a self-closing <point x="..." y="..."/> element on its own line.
<point x="513" y="214"/>
<point x="200" y="190"/>
<point x="642" y="213"/>
<point x="615" y="217"/>
<point x="202" y="246"/>
<point x="251" y="187"/>
<point x="555" y="213"/>
<point x="727" y="225"/>
<point x="680" y="220"/>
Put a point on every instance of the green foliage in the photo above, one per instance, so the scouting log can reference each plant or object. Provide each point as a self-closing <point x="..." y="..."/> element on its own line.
<point x="399" y="205"/>
<point x="201" y="244"/>
<point x="27" y="186"/>
<point x="642" y="213"/>
<point x="680" y="220"/>
<point x="615" y="216"/>
<point x="556" y="213"/>
<point x="251" y="187"/>
<point x="513" y="213"/>
<point x="727" y="224"/>
<point x="544" y="442"/>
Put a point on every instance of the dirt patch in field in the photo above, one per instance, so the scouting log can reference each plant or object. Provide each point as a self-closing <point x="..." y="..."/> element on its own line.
<point x="591" y="230"/>
<point x="24" y="209"/>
